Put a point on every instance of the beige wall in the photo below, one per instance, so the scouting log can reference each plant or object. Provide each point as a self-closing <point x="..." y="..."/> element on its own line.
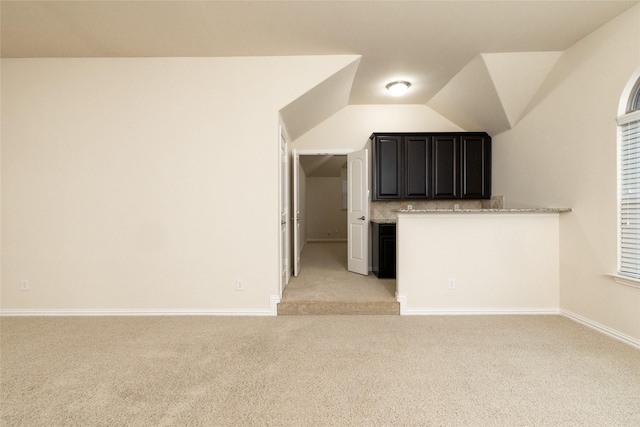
<point x="145" y="184"/>
<point x="326" y="220"/>
<point x="563" y="153"/>
<point x="352" y="126"/>
<point x="500" y="262"/>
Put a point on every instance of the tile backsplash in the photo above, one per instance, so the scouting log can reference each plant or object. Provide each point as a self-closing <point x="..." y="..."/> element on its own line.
<point x="495" y="202"/>
<point x="384" y="210"/>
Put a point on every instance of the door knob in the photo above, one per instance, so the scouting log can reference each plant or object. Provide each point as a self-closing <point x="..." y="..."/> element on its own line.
<point x="361" y="218"/>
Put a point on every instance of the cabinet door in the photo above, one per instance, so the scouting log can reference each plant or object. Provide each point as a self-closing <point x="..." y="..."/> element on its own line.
<point x="384" y="250"/>
<point x="417" y="167"/>
<point x="387" y="257"/>
<point x="375" y="248"/>
<point x="387" y="169"/>
<point x="475" y="173"/>
<point x="446" y="167"/>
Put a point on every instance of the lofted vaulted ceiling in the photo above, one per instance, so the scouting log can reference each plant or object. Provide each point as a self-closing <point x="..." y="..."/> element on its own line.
<point x="426" y="42"/>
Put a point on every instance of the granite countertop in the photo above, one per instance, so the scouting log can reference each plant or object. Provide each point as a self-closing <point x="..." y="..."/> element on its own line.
<point x="384" y="221"/>
<point x="500" y="210"/>
<point x="456" y="211"/>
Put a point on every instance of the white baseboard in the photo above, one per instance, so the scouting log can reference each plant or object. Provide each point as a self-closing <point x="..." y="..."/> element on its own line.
<point x="477" y="311"/>
<point x="326" y="240"/>
<point x="142" y="312"/>
<point x="601" y="328"/>
<point x="274" y="300"/>
<point x="402" y="299"/>
<point x="271" y="311"/>
<point x="404" y="310"/>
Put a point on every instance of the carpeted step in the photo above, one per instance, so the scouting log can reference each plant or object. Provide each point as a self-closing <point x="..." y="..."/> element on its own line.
<point x="338" y="307"/>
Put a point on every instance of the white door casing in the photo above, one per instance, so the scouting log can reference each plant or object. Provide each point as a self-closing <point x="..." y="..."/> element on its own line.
<point x="285" y="271"/>
<point x="358" y="212"/>
<point x="297" y="246"/>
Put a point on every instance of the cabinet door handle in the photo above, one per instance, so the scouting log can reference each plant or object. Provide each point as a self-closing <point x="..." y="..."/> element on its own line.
<point x="361" y="218"/>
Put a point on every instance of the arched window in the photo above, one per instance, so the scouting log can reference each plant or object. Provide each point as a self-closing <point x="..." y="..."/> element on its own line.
<point x="629" y="184"/>
<point x="634" y="99"/>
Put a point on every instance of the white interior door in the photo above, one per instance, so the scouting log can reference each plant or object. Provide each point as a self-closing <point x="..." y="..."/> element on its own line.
<point x="358" y="212"/>
<point x="285" y="271"/>
<point x="297" y="246"/>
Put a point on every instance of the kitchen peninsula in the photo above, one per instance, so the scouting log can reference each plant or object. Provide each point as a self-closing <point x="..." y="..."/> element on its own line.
<point x="456" y="261"/>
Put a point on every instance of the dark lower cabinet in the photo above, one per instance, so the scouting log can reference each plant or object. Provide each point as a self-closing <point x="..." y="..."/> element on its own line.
<point x="383" y="248"/>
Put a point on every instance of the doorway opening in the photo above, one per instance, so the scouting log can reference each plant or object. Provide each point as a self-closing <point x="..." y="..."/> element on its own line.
<point x="330" y="222"/>
<point x="322" y="190"/>
<point x="350" y="195"/>
<point x="320" y="211"/>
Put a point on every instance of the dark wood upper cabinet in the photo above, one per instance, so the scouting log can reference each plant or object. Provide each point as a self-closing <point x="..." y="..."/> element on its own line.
<point x="402" y="165"/>
<point x="444" y="165"/>
<point x="446" y="158"/>
<point x="417" y="167"/>
<point x="387" y="181"/>
<point x="475" y="169"/>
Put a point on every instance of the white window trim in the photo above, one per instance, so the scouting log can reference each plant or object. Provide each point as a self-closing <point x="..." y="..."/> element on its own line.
<point x="629" y="117"/>
<point x="623" y="119"/>
<point x="625" y="280"/>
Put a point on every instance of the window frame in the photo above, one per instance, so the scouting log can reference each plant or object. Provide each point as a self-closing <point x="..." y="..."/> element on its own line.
<point x="634" y="99"/>
<point x="631" y="114"/>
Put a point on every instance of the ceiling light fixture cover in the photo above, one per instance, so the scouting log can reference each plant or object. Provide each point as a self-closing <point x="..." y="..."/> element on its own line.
<point x="399" y="87"/>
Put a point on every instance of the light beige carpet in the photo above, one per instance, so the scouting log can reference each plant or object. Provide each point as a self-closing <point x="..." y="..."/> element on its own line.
<point x="325" y="286"/>
<point x="315" y="371"/>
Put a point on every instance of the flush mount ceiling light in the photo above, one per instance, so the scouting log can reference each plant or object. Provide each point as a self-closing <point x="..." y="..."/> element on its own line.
<point x="399" y="87"/>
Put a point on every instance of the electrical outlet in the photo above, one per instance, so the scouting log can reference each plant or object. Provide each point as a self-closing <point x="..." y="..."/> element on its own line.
<point x="24" y="285"/>
<point x="239" y="285"/>
<point x="452" y="283"/>
<point x="409" y="207"/>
